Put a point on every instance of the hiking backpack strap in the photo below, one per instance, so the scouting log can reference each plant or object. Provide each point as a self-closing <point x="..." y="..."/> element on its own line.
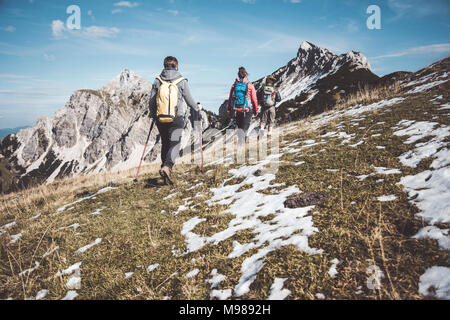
<point x="160" y="80"/>
<point x="174" y="82"/>
<point x="167" y="100"/>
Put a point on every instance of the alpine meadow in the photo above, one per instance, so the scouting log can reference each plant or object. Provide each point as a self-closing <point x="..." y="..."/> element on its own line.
<point x="327" y="178"/>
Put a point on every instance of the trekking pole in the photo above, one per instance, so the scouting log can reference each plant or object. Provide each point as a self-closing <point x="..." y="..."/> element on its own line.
<point x="201" y="137"/>
<point x="143" y="153"/>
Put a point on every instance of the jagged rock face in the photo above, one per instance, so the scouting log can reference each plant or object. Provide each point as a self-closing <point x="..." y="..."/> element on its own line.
<point x="308" y="82"/>
<point x="97" y="130"/>
<point x="64" y="133"/>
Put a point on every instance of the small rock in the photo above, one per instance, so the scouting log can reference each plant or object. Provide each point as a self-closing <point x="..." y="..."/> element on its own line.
<point x="304" y="200"/>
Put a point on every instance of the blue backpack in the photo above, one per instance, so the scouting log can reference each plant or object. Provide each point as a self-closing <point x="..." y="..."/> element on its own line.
<point x="240" y="95"/>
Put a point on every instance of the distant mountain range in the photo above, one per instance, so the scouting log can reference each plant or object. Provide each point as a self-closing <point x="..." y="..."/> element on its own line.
<point x="7" y="131"/>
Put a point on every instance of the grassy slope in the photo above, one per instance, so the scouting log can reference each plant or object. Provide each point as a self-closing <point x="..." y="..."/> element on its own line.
<point x="135" y="233"/>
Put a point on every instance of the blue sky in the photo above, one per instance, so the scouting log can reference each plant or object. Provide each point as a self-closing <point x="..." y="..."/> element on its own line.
<point x="42" y="62"/>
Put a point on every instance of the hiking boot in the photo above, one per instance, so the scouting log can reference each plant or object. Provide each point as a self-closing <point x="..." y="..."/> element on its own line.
<point x="166" y="174"/>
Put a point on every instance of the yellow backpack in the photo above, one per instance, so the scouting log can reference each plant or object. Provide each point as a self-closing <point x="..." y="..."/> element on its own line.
<point x="166" y="100"/>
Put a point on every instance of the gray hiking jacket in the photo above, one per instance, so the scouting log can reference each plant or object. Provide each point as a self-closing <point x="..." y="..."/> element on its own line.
<point x="184" y="94"/>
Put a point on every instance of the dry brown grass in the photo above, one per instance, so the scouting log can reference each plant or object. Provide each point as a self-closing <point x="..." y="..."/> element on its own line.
<point x="367" y="95"/>
<point x="352" y="226"/>
<point x="65" y="189"/>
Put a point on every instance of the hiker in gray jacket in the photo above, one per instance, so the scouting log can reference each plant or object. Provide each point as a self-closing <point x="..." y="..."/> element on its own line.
<point x="171" y="131"/>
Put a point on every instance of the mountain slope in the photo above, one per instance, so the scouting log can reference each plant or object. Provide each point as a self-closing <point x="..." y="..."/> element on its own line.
<point x="97" y="130"/>
<point x="309" y="83"/>
<point x="382" y="167"/>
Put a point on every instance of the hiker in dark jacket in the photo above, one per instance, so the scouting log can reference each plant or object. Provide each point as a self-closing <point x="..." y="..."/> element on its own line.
<point x="170" y="132"/>
<point x="242" y="102"/>
<point x="268" y="97"/>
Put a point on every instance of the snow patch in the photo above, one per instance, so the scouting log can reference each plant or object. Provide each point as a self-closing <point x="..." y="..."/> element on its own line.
<point x="152" y="267"/>
<point x="41" y="294"/>
<point x="432" y="232"/>
<point x="332" y="272"/>
<point x="387" y="198"/>
<point x="71" y="295"/>
<point x="15" y="238"/>
<point x="30" y="270"/>
<point x="426" y="86"/>
<point x="221" y="294"/>
<point x="289" y="227"/>
<point x="216" y="278"/>
<point x="64" y="207"/>
<point x="435" y="282"/>
<point x="276" y="290"/>
<point x="87" y="247"/>
<point x="192" y="273"/>
<point x="6" y="227"/>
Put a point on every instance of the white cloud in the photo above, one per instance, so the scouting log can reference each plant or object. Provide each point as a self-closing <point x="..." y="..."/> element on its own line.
<point x="249" y="1"/>
<point x="100" y="32"/>
<point x="9" y="29"/>
<point x="127" y="4"/>
<point x="116" y="11"/>
<point x="12" y="76"/>
<point x="422" y="50"/>
<point x="49" y="57"/>
<point x="418" y="8"/>
<point x="174" y="12"/>
<point x="60" y="31"/>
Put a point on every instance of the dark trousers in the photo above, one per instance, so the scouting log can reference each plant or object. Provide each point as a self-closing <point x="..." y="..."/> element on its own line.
<point x="243" y="122"/>
<point x="170" y="140"/>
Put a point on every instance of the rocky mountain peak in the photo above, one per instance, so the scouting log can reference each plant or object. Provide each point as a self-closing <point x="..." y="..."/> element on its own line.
<point x="306" y="46"/>
<point x="311" y="79"/>
<point x="310" y="49"/>
<point x="359" y="60"/>
<point x="125" y="82"/>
